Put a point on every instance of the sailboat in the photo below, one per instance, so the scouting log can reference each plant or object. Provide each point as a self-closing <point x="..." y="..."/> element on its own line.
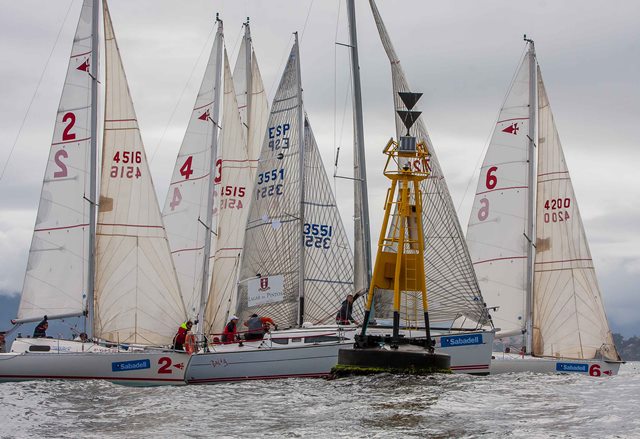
<point x="128" y="291"/>
<point x="529" y="246"/>
<point x="297" y="263"/>
<point x="456" y="307"/>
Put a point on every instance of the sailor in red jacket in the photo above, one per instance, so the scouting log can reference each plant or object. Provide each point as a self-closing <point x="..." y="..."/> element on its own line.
<point x="230" y="330"/>
<point x="258" y="326"/>
<point x="178" y="340"/>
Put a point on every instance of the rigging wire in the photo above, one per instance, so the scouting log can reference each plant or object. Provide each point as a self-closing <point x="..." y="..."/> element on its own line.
<point x="335" y="98"/>
<point x="35" y="92"/>
<point x="186" y="85"/>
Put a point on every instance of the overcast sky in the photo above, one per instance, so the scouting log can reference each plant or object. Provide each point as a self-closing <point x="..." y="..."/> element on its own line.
<point x="460" y="54"/>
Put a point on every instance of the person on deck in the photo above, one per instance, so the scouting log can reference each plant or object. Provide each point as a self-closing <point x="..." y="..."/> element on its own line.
<point x="258" y="327"/>
<point x="344" y="316"/>
<point x="180" y="337"/>
<point x="230" y="333"/>
<point x="41" y="329"/>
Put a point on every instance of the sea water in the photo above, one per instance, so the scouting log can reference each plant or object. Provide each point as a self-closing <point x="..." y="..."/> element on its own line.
<point x="383" y="406"/>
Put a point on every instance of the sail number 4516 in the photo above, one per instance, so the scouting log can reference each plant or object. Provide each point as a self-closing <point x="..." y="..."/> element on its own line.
<point x="122" y="160"/>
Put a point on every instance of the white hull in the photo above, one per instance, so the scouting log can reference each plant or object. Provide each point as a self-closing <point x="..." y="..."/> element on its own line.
<point x="55" y="345"/>
<point x="141" y="368"/>
<point x="514" y="363"/>
<point x="470" y="353"/>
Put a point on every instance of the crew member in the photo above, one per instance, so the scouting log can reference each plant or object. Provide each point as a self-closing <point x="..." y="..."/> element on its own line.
<point x="258" y="326"/>
<point x="344" y="316"/>
<point x="230" y="331"/>
<point x="178" y="340"/>
<point x="41" y="329"/>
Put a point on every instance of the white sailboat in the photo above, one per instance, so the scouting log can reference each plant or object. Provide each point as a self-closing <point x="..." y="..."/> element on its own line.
<point x="297" y="264"/>
<point x="529" y="247"/>
<point x="456" y="304"/>
<point x="137" y="300"/>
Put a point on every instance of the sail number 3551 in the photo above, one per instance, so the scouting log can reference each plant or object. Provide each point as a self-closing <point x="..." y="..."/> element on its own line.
<point x="317" y="235"/>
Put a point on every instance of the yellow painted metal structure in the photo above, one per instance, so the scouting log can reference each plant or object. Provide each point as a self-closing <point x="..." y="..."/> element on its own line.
<point x="399" y="264"/>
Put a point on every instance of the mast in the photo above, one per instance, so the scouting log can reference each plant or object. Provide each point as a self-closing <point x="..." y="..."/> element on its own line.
<point x="362" y="250"/>
<point x="531" y="193"/>
<point x="93" y="170"/>
<point x="214" y="153"/>
<point x="247" y="36"/>
<point x="301" y="129"/>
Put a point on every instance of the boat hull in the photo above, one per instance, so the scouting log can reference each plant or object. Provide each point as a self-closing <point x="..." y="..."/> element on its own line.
<point x="259" y="363"/>
<point x="152" y="368"/>
<point x="513" y="363"/>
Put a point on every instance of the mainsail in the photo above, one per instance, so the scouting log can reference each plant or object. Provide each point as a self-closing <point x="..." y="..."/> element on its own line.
<point x="452" y="286"/>
<point x="568" y="314"/>
<point x="137" y="295"/>
<point x="56" y="276"/>
<point x="295" y="244"/>
<point x="251" y="97"/>
<point x="496" y="231"/>
<point x="185" y="208"/>
<point x="234" y="195"/>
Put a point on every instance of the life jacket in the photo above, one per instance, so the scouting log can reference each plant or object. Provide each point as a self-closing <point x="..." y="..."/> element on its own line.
<point x="190" y="343"/>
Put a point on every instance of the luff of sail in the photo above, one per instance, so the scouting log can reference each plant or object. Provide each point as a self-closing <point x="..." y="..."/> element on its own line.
<point x="269" y="276"/>
<point x="497" y="224"/>
<point x="454" y="294"/>
<point x="185" y="208"/>
<point x="137" y="295"/>
<point x="234" y="195"/>
<point x="56" y="276"/>
<point x="568" y="315"/>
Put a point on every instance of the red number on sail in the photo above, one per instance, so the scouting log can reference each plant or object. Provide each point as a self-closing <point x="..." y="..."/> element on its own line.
<point x="483" y="212"/>
<point x="218" y="178"/>
<point x="492" y="180"/>
<point x="66" y="135"/>
<point x="186" y="170"/>
<point x="165" y="363"/>
<point x="177" y="198"/>
<point x="58" y="159"/>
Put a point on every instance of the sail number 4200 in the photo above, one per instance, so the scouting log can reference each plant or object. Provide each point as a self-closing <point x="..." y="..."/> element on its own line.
<point x="557" y="206"/>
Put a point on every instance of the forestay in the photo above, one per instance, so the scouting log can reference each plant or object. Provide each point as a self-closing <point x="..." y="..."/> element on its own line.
<point x="234" y="197"/>
<point x="185" y="208"/>
<point x="569" y="317"/>
<point x="273" y="236"/>
<point x="497" y="225"/>
<point x="452" y="286"/>
<point x="137" y="294"/>
<point x="56" y="276"/>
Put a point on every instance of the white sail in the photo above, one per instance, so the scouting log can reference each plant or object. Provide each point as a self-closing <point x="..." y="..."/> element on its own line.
<point x="56" y="275"/>
<point x="497" y="225"/>
<point x="185" y="208"/>
<point x="251" y="97"/>
<point x="273" y="235"/>
<point x="137" y="295"/>
<point x="569" y="318"/>
<point x="235" y="191"/>
<point x="452" y="287"/>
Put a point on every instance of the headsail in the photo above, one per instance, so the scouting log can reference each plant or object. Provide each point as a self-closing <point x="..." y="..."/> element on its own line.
<point x="569" y="318"/>
<point x="496" y="231"/>
<point x="185" y="209"/>
<point x="451" y="281"/>
<point x="56" y="276"/>
<point x="269" y="276"/>
<point x="137" y="295"/>
<point x="235" y="190"/>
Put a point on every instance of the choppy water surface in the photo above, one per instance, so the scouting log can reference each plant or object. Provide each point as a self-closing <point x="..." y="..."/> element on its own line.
<point x="442" y="406"/>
